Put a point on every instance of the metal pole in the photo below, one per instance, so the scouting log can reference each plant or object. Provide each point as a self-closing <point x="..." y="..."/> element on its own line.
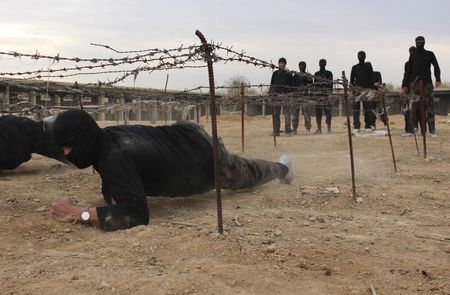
<point x="349" y="131"/>
<point x="242" y="116"/>
<point x="389" y="132"/>
<point x="207" y="48"/>
<point x="165" y="107"/>
<point x="423" y="124"/>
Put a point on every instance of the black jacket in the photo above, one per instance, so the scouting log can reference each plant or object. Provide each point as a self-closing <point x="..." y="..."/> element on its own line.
<point x="280" y="81"/>
<point x="362" y="75"/>
<point x="419" y="67"/>
<point x="20" y="137"/>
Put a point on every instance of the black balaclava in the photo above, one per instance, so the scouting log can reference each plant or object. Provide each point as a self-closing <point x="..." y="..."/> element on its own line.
<point x="282" y="60"/>
<point x="14" y="148"/>
<point x="322" y="64"/>
<point x="302" y="66"/>
<point x="420" y="43"/>
<point x="361" y="57"/>
<point x="78" y="130"/>
<point x="412" y="49"/>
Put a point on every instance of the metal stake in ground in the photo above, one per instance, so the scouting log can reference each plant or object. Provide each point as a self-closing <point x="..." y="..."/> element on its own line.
<point x="207" y="49"/>
<point x="242" y="115"/>
<point x="423" y="123"/>
<point x="349" y="131"/>
<point x="389" y="132"/>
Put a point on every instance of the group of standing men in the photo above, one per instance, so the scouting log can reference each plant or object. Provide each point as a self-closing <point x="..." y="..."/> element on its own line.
<point x="293" y="89"/>
<point x="417" y="84"/>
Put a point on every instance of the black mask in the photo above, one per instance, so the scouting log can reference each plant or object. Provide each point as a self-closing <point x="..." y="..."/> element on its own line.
<point x="78" y="130"/>
<point x="420" y="43"/>
<point x="361" y="57"/>
<point x="322" y="64"/>
<point x="302" y="66"/>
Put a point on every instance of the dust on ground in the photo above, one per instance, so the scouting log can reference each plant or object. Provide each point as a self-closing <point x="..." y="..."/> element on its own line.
<point x="306" y="238"/>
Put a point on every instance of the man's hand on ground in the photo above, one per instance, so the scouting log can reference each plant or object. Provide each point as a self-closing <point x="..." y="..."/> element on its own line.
<point x="65" y="210"/>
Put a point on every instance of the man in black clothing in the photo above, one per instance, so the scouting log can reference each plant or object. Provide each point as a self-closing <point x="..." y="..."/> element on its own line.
<point x="279" y="87"/>
<point x="139" y="161"/>
<point x="301" y="82"/>
<point x="409" y="106"/>
<point x="20" y="137"/>
<point x="419" y="76"/>
<point x="361" y="77"/>
<point x="323" y="83"/>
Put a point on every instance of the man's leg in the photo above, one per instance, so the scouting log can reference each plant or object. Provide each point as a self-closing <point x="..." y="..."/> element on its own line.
<point x="356" y="113"/>
<point x="287" y="110"/>
<point x="295" y="117"/>
<point x="307" y="116"/>
<point x="328" y="115"/>
<point x="319" y="117"/>
<point x="240" y="173"/>
<point x="429" y="107"/>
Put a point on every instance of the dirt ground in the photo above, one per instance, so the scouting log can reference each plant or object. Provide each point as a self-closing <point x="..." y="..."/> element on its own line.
<point x="304" y="238"/>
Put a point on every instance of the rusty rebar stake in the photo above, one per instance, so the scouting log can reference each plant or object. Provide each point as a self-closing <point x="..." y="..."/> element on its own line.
<point x="207" y="49"/>
<point x="273" y="124"/>
<point x="389" y="132"/>
<point x="242" y="116"/>
<point x="349" y="131"/>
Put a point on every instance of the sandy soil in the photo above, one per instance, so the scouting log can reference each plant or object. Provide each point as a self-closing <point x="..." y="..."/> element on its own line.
<point x="289" y="239"/>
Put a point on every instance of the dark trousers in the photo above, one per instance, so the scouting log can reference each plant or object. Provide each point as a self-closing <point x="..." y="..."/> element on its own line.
<point x="428" y="106"/>
<point x="369" y="114"/>
<point x="287" y="111"/>
<point x="240" y="173"/>
<point x="320" y="109"/>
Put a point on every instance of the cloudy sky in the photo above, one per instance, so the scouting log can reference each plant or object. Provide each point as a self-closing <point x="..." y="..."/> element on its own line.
<point x="297" y="29"/>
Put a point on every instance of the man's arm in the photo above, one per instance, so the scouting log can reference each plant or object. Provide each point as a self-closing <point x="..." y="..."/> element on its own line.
<point x="353" y="76"/>
<point x="437" y="70"/>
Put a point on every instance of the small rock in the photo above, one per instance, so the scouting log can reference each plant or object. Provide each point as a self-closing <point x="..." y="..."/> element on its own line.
<point x="328" y="272"/>
<point x="277" y="233"/>
<point x="271" y="248"/>
<point x="103" y="285"/>
<point x="268" y="242"/>
<point x="74" y="278"/>
<point x="9" y="218"/>
<point x="36" y="200"/>
<point x="41" y="209"/>
<point x="67" y="230"/>
<point x="447" y="250"/>
<point x="333" y="190"/>
<point x="312" y="219"/>
<point x="359" y="200"/>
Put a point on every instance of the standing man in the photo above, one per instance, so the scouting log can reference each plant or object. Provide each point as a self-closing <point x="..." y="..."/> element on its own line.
<point x="301" y="82"/>
<point x="419" y="75"/>
<point x="409" y="106"/>
<point x="362" y="77"/>
<point x="279" y="87"/>
<point x="324" y="83"/>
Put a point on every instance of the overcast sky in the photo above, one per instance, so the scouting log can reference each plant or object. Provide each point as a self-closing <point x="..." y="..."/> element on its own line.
<point x="297" y="29"/>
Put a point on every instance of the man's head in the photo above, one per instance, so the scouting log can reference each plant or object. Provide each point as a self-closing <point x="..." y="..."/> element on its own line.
<point x="412" y="49"/>
<point x="77" y="133"/>
<point x="420" y="42"/>
<point x="302" y="66"/>
<point x="322" y="63"/>
<point x="282" y="63"/>
<point x="361" y="56"/>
